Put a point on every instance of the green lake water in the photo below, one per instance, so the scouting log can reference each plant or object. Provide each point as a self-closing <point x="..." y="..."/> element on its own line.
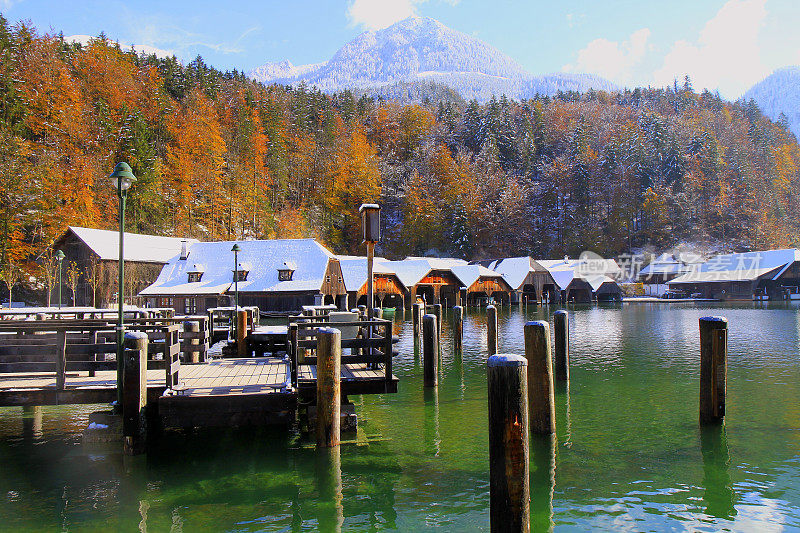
<point x="629" y="453"/>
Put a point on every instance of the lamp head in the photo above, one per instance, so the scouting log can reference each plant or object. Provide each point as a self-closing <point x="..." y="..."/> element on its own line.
<point x="60" y="256"/>
<point x="370" y="222"/>
<point x="236" y="248"/>
<point x="122" y="177"/>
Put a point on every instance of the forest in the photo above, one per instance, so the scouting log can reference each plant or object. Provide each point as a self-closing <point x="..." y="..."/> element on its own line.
<point x="220" y="156"/>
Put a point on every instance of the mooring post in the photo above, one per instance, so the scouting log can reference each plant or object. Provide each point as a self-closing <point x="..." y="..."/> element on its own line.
<point x="561" y="325"/>
<point x="61" y="359"/>
<point x="31" y="422"/>
<point x="191" y="355"/>
<point x="458" y="327"/>
<point x="509" y="470"/>
<point x="329" y="392"/>
<point x="134" y="392"/>
<point x="437" y="310"/>
<point x="415" y="321"/>
<point x="491" y="329"/>
<point x="542" y="408"/>
<point x="713" y="368"/>
<point x="377" y="312"/>
<point x="241" y="333"/>
<point x="430" y="351"/>
<point x="362" y="310"/>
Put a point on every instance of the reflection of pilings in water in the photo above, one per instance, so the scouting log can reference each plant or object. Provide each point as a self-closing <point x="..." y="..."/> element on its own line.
<point x="32" y="422"/>
<point x="132" y="493"/>
<point x="718" y="496"/>
<point x="562" y="388"/>
<point x="431" y="437"/>
<point x="330" y="514"/>
<point x="543" y="481"/>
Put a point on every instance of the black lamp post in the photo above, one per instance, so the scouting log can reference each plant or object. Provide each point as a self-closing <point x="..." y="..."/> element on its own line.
<point x="236" y="251"/>
<point x="122" y="178"/>
<point x="371" y="230"/>
<point x="59" y="258"/>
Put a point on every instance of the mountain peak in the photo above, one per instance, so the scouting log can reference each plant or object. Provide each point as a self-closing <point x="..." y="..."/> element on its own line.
<point x="419" y="49"/>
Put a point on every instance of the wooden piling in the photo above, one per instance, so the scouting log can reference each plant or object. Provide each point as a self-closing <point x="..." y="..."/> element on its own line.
<point x="491" y="329"/>
<point x="541" y="397"/>
<point x="509" y="475"/>
<point x="415" y="320"/>
<point x="430" y="351"/>
<point x="329" y="358"/>
<point x="713" y="368"/>
<point x="192" y="355"/>
<point x="134" y="393"/>
<point x="561" y="325"/>
<point x="437" y="310"/>
<point x="241" y="333"/>
<point x="458" y="328"/>
<point x="362" y="310"/>
<point x="377" y="312"/>
<point x="61" y="359"/>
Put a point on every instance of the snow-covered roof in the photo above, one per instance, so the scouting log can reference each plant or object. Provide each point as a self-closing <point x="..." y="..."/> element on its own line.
<point x="747" y="266"/>
<point x="354" y="270"/>
<point x="595" y="271"/>
<point x="514" y="269"/>
<point x="469" y="274"/>
<point x="138" y="247"/>
<point x="669" y="264"/>
<point x="411" y="270"/>
<point x="262" y="260"/>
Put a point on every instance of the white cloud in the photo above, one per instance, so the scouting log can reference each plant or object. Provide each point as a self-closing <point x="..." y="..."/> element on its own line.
<point x="612" y="59"/>
<point x="140" y="48"/>
<point x="725" y="56"/>
<point x="378" y="14"/>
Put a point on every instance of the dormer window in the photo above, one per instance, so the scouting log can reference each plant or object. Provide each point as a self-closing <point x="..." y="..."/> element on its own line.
<point x="196" y="273"/>
<point x="286" y="271"/>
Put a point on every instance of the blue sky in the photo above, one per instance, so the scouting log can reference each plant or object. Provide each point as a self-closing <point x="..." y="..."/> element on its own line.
<point x="724" y="45"/>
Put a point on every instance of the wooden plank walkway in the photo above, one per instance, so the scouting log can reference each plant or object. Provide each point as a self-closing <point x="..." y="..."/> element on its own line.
<point x="257" y="375"/>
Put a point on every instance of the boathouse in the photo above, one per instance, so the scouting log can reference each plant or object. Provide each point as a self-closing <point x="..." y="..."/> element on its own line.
<point x="430" y="279"/>
<point x="388" y="290"/>
<point x="526" y="277"/>
<point x="482" y="284"/>
<point x="772" y="274"/>
<point x="665" y="268"/>
<point x="95" y="252"/>
<point x="279" y="275"/>
<point x="581" y="280"/>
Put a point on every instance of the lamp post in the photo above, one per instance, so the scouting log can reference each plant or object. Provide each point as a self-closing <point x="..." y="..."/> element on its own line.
<point x="236" y="251"/>
<point x="371" y="230"/>
<point x="122" y="178"/>
<point x="59" y="258"/>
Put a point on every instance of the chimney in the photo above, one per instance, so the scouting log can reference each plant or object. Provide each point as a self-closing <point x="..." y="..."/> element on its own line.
<point x="184" y="250"/>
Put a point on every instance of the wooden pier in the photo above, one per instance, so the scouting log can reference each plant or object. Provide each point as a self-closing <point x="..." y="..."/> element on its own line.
<point x="59" y="361"/>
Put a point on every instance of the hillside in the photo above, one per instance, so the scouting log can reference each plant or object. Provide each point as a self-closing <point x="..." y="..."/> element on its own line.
<point x="422" y="49"/>
<point x="779" y="94"/>
<point x="220" y="156"/>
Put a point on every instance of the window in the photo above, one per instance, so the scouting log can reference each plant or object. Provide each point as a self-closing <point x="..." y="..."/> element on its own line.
<point x="240" y="275"/>
<point x="194" y="277"/>
<point x="327" y="279"/>
<point x="190" y="306"/>
<point x="164" y="302"/>
<point x="285" y="275"/>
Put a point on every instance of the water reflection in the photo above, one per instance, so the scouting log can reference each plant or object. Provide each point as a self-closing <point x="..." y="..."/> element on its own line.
<point x="719" y="495"/>
<point x="431" y="437"/>
<point x="328" y="478"/>
<point x="543" y="481"/>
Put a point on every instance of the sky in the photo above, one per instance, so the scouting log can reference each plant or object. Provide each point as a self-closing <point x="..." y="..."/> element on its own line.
<point x="724" y="46"/>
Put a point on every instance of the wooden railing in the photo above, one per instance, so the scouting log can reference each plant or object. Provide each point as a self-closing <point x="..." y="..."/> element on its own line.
<point x="63" y="346"/>
<point x="373" y="344"/>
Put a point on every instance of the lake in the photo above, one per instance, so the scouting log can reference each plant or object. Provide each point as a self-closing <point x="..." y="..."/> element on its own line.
<point x="629" y="453"/>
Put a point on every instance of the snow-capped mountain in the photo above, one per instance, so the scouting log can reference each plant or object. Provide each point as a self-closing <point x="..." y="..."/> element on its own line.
<point x="779" y="93"/>
<point x="423" y="49"/>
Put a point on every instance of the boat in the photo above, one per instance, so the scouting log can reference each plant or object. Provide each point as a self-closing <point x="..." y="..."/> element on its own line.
<point x="791" y="292"/>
